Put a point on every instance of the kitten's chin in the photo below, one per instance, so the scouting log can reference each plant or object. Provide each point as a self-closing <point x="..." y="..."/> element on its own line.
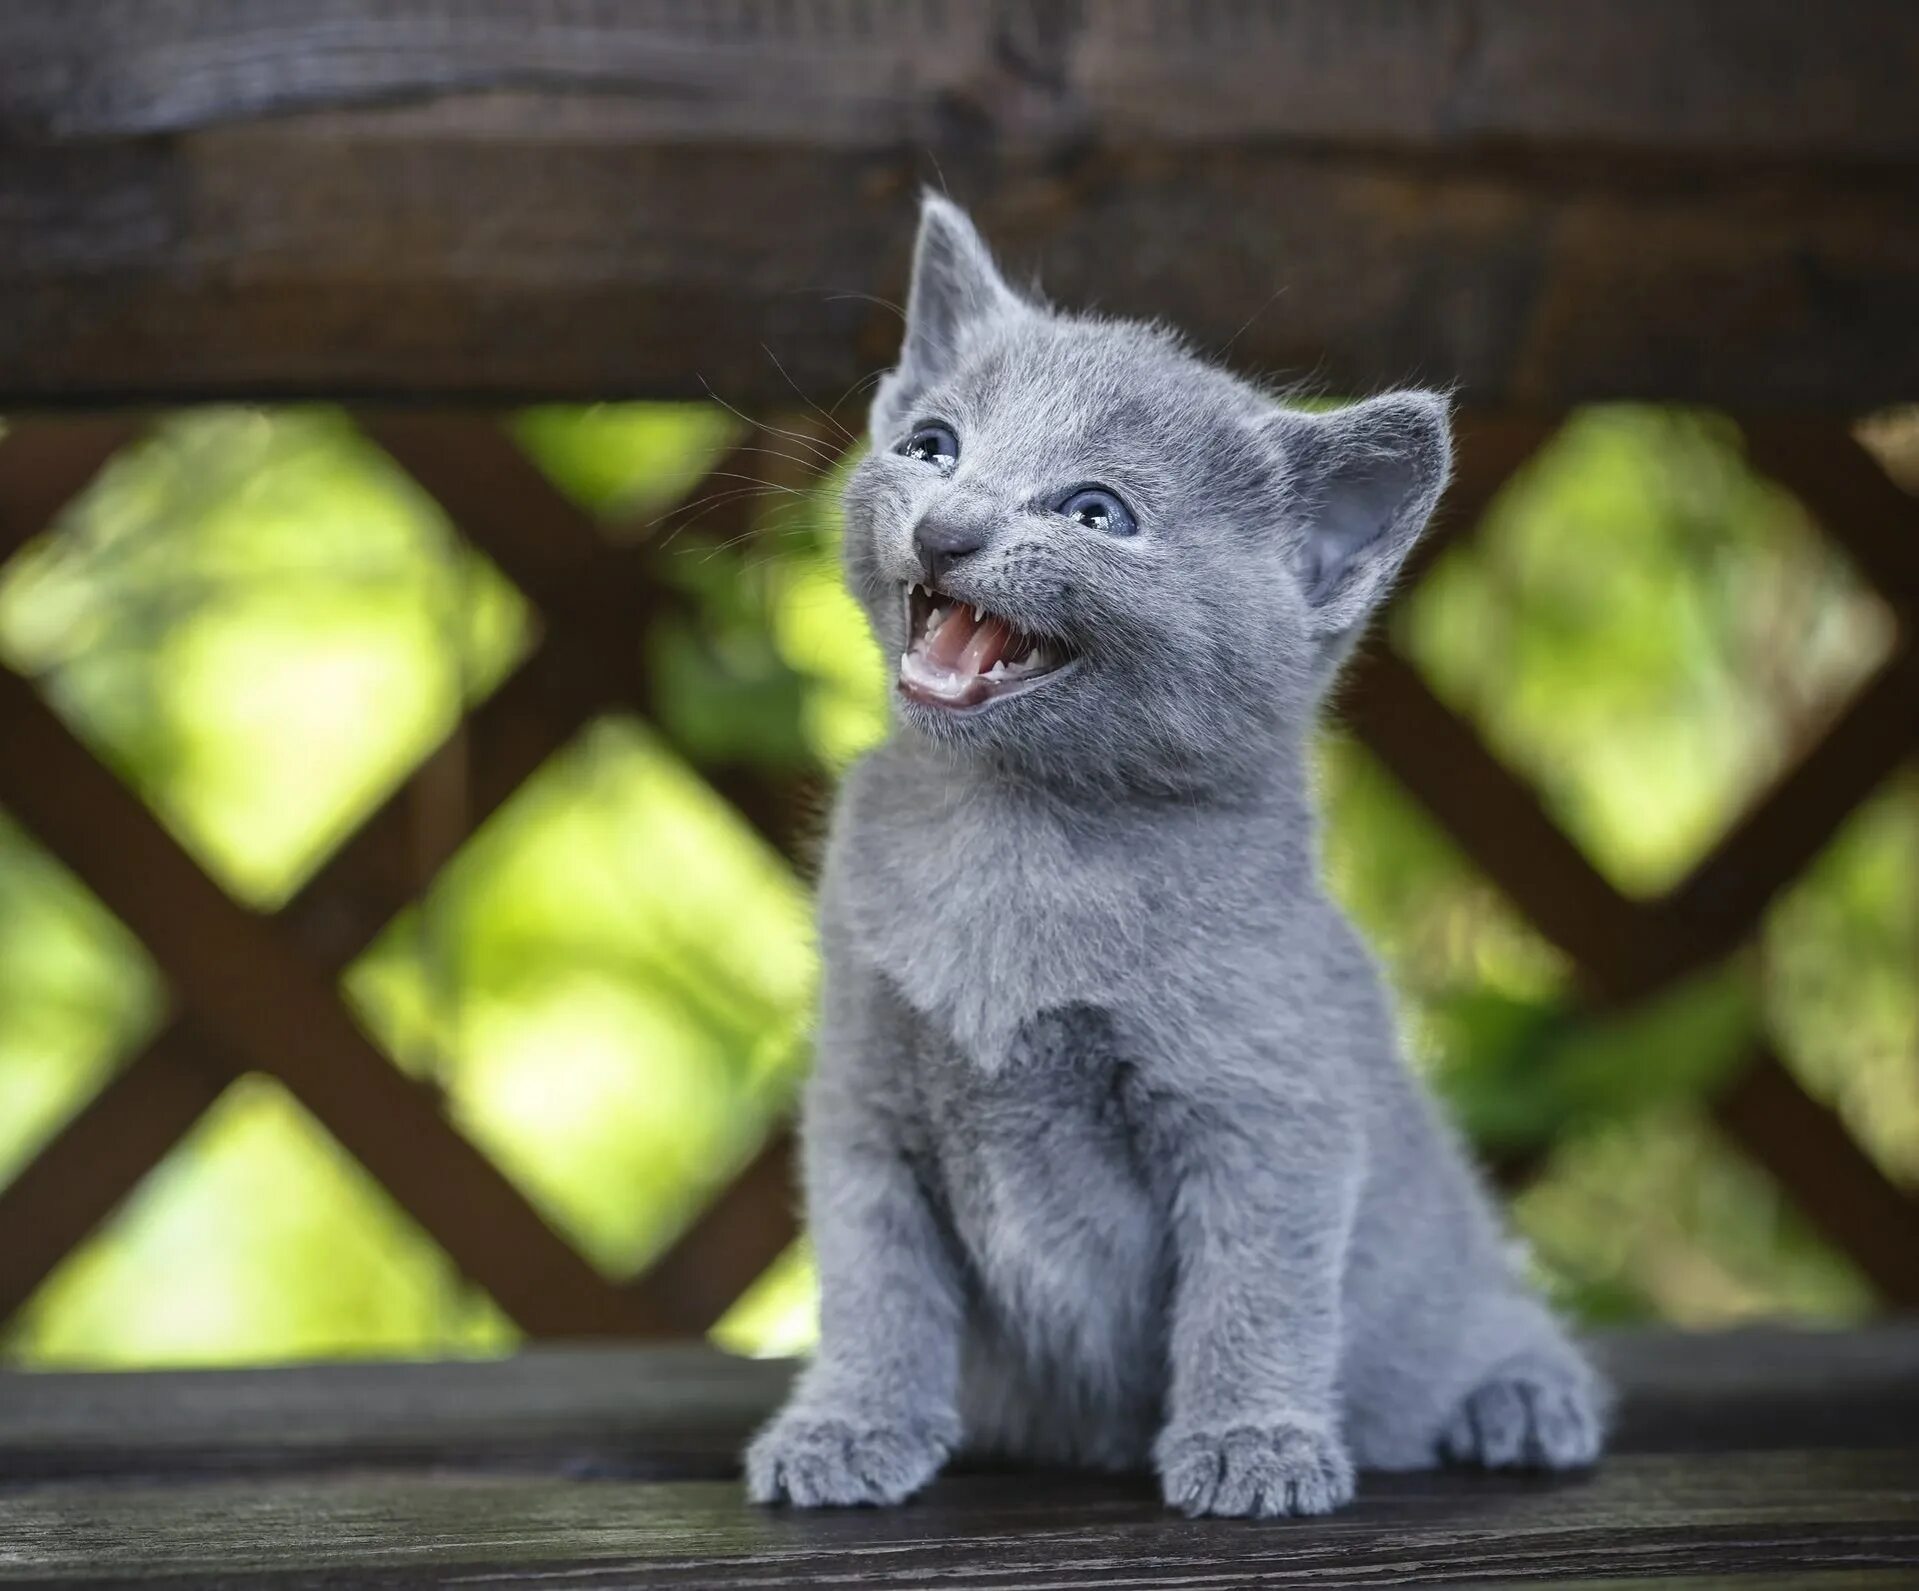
<point x="961" y="659"/>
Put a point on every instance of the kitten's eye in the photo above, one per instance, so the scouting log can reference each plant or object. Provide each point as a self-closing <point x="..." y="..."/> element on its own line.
<point x="1100" y="510"/>
<point x="933" y="444"/>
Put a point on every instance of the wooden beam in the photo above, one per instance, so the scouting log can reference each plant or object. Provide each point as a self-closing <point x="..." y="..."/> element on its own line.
<point x="98" y="1157"/>
<point x="1653" y="78"/>
<point x="1856" y="503"/>
<point x="45" y="461"/>
<point x="730" y="1246"/>
<point x="1808" y="1149"/>
<point x="1602" y="198"/>
<point x="598" y="598"/>
<point x="1720" y="900"/>
<point x="1496" y="819"/>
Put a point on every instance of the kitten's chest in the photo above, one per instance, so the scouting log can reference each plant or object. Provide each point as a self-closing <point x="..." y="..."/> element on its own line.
<point x="1039" y="1171"/>
<point x="984" y="915"/>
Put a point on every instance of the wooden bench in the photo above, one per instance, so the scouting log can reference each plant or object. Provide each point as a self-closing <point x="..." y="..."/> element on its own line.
<point x="1790" y="1458"/>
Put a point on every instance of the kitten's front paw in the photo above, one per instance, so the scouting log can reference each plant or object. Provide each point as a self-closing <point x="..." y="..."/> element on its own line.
<point x="1534" y="1413"/>
<point x="1254" y="1471"/>
<point x="817" y="1461"/>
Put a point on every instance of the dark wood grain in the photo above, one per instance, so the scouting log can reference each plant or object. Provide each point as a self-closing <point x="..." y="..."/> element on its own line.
<point x="1690" y="200"/>
<point x="1790" y="1457"/>
<point x="1647" y="1516"/>
<point x="1646" y="76"/>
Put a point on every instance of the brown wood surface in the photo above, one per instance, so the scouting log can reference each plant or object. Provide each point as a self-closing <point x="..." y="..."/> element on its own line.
<point x="1790" y="1457"/>
<point x="1639" y="1520"/>
<point x="47" y="461"/>
<point x="1682" y="199"/>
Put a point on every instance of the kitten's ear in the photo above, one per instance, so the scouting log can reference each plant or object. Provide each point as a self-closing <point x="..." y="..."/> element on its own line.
<point x="956" y="286"/>
<point x="1364" y="481"/>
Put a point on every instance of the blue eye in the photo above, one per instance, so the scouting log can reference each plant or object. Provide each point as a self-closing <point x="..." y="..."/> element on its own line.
<point x="933" y="444"/>
<point x="1100" y="510"/>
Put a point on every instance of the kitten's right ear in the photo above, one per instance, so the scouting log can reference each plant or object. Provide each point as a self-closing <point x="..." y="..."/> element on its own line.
<point x="956" y="287"/>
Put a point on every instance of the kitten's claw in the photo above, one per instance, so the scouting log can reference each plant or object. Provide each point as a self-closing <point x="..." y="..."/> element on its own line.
<point x="815" y="1462"/>
<point x="1259" y="1472"/>
<point x="1532" y="1414"/>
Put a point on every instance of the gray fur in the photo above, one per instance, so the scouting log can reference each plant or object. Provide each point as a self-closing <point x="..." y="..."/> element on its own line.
<point x="1110" y="1155"/>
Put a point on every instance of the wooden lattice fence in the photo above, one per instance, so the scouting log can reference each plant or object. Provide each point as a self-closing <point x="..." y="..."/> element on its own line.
<point x="258" y="993"/>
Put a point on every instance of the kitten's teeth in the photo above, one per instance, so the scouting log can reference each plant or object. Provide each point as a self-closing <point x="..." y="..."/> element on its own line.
<point x="1031" y="660"/>
<point x="979" y="614"/>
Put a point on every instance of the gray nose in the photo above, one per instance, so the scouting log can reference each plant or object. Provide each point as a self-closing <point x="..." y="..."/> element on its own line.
<point x="941" y="542"/>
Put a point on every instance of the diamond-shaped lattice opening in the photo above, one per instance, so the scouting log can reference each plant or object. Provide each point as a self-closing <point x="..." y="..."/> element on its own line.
<point x="627" y="463"/>
<point x="262" y="625"/>
<point x="258" y="1239"/>
<point x="1475" y="980"/>
<point x="769" y="662"/>
<point x="611" y="982"/>
<point x="779" y="1315"/>
<point x="1647" y="630"/>
<point x="1660" y="1218"/>
<point x="1491" y="1008"/>
<point x="77" y="995"/>
<point x="1840" y="954"/>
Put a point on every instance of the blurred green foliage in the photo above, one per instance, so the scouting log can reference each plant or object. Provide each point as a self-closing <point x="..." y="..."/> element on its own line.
<point x="263" y="625"/>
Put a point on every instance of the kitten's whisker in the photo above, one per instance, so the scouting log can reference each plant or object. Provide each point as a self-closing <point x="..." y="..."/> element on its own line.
<point x="871" y="379"/>
<point x="867" y="298"/>
<point x="804" y="398"/>
<point x="706" y="505"/>
<point x="826" y="456"/>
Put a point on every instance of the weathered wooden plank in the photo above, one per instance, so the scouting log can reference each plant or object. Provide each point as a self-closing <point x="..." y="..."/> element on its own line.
<point x="1637" y="1518"/>
<point x="1649" y="77"/>
<point x="1694" y="200"/>
<point x="682" y="1411"/>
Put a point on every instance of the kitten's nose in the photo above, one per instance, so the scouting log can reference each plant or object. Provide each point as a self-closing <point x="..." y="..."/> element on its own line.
<point x="941" y="541"/>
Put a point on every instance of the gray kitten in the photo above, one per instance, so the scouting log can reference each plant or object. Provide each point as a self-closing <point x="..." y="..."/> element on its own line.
<point x="1110" y="1156"/>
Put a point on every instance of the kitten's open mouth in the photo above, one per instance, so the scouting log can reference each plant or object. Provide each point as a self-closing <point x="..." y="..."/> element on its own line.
<point x="958" y="655"/>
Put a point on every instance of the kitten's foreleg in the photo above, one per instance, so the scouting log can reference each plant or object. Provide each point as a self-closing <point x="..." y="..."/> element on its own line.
<point x="1260" y="1222"/>
<point x="873" y="1417"/>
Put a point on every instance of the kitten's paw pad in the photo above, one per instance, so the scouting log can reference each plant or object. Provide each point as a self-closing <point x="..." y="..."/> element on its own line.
<point x="1259" y="1472"/>
<point x="1530" y="1415"/>
<point x="814" y="1462"/>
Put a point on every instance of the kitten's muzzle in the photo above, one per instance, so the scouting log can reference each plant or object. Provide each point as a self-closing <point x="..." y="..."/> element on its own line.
<point x="960" y="655"/>
<point x="941" y="540"/>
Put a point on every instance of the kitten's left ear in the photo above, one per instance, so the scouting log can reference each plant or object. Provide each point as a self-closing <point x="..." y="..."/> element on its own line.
<point x="1364" y="481"/>
<point x="956" y="288"/>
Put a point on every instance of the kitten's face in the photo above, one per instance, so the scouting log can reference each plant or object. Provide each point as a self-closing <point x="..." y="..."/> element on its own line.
<point x="1064" y="545"/>
<point x="1094" y="556"/>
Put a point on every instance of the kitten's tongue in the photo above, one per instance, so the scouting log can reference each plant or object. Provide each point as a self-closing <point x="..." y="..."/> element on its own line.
<point x="967" y="645"/>
<point x="950" y="664"/>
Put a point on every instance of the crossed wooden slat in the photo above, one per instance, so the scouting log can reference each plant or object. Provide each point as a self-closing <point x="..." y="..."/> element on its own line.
<point x="248" y="981"/>
<point x="260" y="993"/>
<point x="1624" y="950"/>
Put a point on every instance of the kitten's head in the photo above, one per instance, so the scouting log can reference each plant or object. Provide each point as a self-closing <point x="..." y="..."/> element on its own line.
<point x="1096" y="556"/>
